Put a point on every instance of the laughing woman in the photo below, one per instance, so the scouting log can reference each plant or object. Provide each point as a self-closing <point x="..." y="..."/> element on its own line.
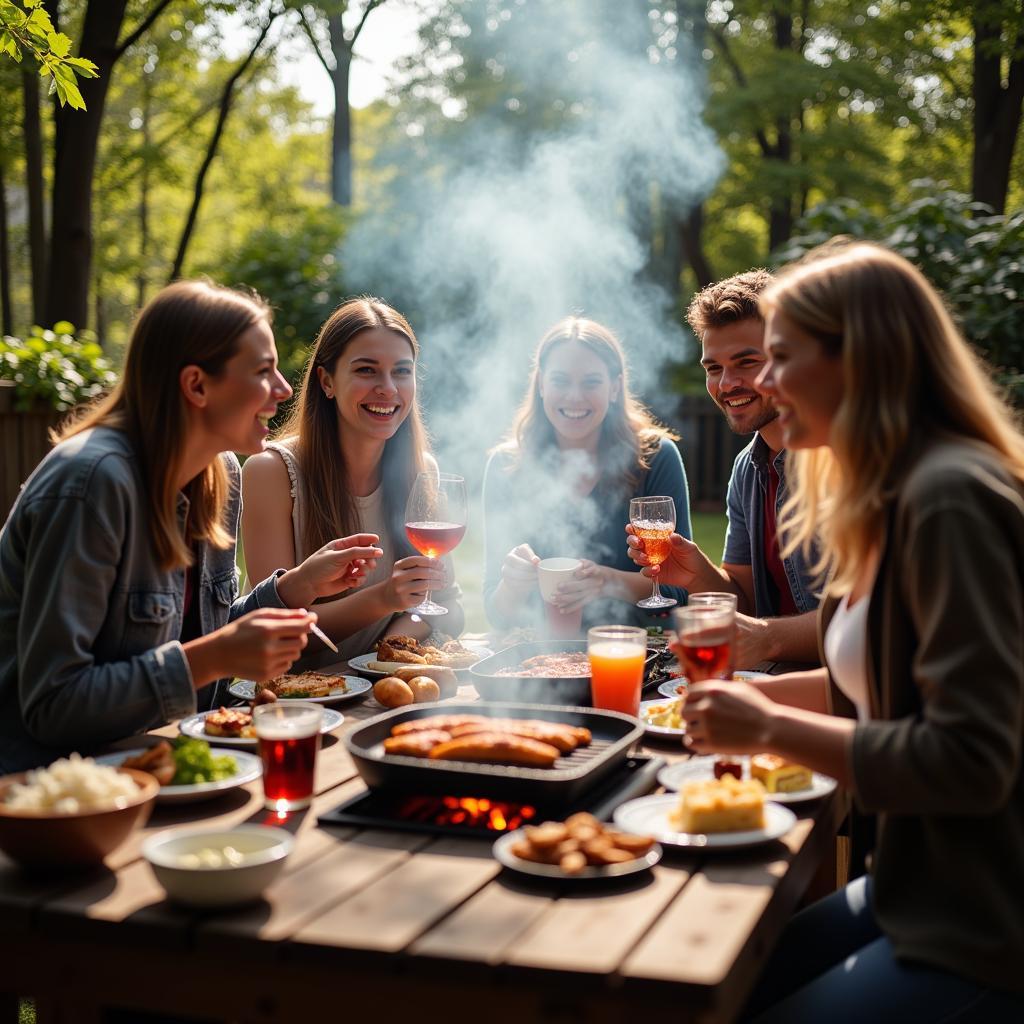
<point x="346" y="460"/>
<point x="581" y="446"/>
<point x="117" y="563"/>
<point x="910" y="471"/>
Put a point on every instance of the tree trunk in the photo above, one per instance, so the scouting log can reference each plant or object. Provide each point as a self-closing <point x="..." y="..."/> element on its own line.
<point x="35" y="191"/>
<point x="690" y="231"/>
<point x="997" y="114"/>
<point x="6" y="310"/>
<point x="780" y="216"/>
<point x="341" y="134"/>
<point x="211" y="150"/>
<point x="77" y="138"/>
<point x="142" y="278"/>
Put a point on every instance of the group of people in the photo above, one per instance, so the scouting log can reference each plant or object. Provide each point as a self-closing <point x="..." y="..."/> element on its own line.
<point x="884" y="481"/>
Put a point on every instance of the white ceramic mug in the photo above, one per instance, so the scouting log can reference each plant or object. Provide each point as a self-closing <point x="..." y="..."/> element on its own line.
<point x="552" y="571"/>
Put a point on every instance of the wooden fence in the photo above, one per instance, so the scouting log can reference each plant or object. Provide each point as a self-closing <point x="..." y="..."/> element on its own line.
<point x="708" y="447"/>
<point x="23" y="443"/>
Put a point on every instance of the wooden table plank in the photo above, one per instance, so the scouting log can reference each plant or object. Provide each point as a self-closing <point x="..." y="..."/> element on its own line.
<point x="394" y="911"/>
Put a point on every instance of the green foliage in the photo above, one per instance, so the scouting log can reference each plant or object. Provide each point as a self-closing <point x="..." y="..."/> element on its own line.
<point x="297" y="269"/>
<point x="28" y="28"/>
<point x="974" y="258"/>
<point x="55" y="368"/>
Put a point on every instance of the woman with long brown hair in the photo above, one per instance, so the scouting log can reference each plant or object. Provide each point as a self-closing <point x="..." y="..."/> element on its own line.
<point x="346" y="460"/>
<point x="117" y="563"/>
<point x="580" y="447"/>
<point x="909" y="471"/>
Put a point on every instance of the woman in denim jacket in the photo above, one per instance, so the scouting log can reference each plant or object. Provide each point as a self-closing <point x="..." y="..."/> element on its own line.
<point x="118" y="586"/>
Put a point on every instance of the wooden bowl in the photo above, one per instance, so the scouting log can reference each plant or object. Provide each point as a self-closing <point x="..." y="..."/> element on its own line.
<point x="45" y="839"/>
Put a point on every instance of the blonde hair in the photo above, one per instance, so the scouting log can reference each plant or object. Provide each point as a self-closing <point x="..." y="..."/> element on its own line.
<point x="630" y="435"/>
<point x="187" y="323"/>
<point x="313" y="423"/>
<point x="909" y="377"/>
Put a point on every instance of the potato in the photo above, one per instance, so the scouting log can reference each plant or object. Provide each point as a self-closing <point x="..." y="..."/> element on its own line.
<point x="392" y="692"/>
<point x="424" y="689"/>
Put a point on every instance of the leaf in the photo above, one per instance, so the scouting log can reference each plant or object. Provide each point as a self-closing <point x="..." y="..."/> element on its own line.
<point x="60" y="44"/>
<point x="84" y="68"/>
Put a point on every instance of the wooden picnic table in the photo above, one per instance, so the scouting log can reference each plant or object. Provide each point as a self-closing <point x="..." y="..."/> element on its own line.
<point x="387" y="925"/>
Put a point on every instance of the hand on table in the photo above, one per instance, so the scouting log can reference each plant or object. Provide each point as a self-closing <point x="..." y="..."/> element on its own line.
<point x="519" y="569"/>
<point x="726" y="718"/>
<point x="586" y="583"/>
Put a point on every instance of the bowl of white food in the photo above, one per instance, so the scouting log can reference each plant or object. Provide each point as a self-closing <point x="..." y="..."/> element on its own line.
<point x="218" y="867"/>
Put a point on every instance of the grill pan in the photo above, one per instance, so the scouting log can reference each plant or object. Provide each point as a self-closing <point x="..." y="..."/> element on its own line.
<point x="571" y="690"/>
<point x="613" y="736"/>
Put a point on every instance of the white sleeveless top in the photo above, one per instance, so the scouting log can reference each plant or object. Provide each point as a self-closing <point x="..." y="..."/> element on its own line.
<point x="846" y="650"/>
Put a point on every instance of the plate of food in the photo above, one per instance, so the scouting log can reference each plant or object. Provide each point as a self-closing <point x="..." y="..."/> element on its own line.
<point x="314" y="687"/>
<point x="232" y="727"/>
<point x="677" y="686"/>
<point x="402" y="652"/>
<point x="189" y="770"/>
<point x="715" y="814"/>
<point x="581" y="847"/>
<point x="784" y="781"/>
<point x="663" y="719"/>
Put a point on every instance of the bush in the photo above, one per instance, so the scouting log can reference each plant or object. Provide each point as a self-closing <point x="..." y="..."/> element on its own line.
<point x="975" y="258"/>
<point x="55" y="368"/>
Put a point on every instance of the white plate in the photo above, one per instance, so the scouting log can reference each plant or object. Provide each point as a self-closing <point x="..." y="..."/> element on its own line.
<point x="360" y="663"/>
<point x="193" y="726"/>
<point x="502" y="850"/>
<point x="659" y="731"/>
<point x="700" y="769"/>
<point x="668" y="688"/>
<point x="356" y="686"/>
<point x="648" y="816"/>
<point x="250" y="768"/>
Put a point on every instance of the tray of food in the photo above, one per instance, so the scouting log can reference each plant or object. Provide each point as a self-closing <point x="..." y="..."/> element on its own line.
<point x="526" y="752"/>
<point x="398" y="652"/>
<point x="314" y="687"/>
<point x="542" y="672"/>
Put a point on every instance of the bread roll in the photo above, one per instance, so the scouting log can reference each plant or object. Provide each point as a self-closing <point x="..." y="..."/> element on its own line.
<point x="392" y="692"/>
<point x="424" y="689"/>
<point x="444" y="677"/>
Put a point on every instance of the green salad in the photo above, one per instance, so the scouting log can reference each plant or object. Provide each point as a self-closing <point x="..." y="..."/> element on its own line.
<point x="194" y="763"/>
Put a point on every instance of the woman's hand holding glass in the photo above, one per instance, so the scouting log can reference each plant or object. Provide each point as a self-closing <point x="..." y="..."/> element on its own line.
<point x="338" y="566"/>
<point x="684" y="565"/>
<point x="727" y="718"/>
<point x="411" y="580"/>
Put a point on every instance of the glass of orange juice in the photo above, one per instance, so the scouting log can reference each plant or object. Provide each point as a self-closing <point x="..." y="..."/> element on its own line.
<point x="616" y="667"/>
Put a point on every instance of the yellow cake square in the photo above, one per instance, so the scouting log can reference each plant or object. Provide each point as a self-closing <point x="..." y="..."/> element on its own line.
<point x="779" y="775"/>
<point x="720" y="805"/>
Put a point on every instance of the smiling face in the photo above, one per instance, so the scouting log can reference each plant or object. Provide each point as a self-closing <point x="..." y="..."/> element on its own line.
<point x="576" y="390"/>
<point x="805" y="383"/>
<point x="242" y="398"/>
<point x="373" y="384"/>
<point x="732" y="357"/>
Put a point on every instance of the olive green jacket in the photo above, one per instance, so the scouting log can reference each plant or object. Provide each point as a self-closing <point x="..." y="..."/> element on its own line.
<point x="940" y="760"/>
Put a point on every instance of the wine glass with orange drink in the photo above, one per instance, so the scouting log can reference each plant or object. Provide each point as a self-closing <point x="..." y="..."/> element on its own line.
<point x="435" y="522"/>
<point x="653" y="520"/>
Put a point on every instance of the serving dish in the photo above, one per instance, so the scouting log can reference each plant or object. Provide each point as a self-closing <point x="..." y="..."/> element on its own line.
<point x="250" y="768"/>
<point x="648" y="815"/>
<point x="660" y="732"/>
<point x="355" y="688"/>
<point x="263" y="849"/>
<point x="48" y="839"/>
<point x="613" y="734"/>
<point x="502" y="850"/>
<point x="555" y="690"/>
<point x="700" y="769"/>
<point x="193" y="726"/>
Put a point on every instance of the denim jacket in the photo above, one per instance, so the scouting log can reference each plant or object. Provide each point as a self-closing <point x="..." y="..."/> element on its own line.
<point x="89" y="622"/>
<point x="744" y="537"/>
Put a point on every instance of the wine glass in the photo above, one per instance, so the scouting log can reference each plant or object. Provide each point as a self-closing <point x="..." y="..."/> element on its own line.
<point x="435" y="522"/>
<point x="653" y="520"/>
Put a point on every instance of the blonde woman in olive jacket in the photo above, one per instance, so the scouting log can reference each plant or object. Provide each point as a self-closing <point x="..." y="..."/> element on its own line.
<point x="910" y="472"/>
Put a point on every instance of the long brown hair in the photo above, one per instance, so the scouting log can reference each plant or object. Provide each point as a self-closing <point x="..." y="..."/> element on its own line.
<point x="313" y="423"/>
<point x="630" y="435"/>
<point x="187" y="323"/>
<point x="909" y="378"/>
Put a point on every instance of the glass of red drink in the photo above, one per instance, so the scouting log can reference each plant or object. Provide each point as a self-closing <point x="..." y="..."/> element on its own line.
<point x="435" y="522"/>
<point x="550" y="573"/>
<point x="616" y="667"/>
<point x="704" y="640"/>
<point x="288" y="734"/>
<point x="653" y="520"/>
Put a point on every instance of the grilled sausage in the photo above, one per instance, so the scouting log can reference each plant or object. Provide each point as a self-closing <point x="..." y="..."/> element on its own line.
<point x="497" y="748"/>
